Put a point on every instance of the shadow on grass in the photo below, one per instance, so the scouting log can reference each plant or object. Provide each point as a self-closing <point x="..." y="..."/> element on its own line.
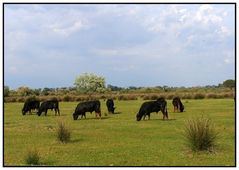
<point x="96" y="118"/>
<point x="75" y="140"/>
<point x="52" y="114"/>
<point x="45" y="163"/>
<point x="160" y="120"/>
<point x="116" y="113"/>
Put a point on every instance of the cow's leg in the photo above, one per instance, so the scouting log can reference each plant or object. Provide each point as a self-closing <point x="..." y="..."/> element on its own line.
<point x="149" y="116"/>
<point x="46" y="112"/>
<point x="165" y="113"/>
<point x="83" y="115"/>
<point x="144" y="116"/>
<point x="99" y="114"/>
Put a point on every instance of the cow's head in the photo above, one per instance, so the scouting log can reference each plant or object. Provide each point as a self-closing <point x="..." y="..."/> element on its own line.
<point x="23" y="112"/>
<point x="181" y="108"/>
<point x="113" y="110"/>
<point x="75" y="116"/>
<point x="138" y="117"/>
<point x="39" y="113"/>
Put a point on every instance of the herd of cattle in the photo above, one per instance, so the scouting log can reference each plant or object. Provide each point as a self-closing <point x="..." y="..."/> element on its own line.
<point x="94" y="106"/>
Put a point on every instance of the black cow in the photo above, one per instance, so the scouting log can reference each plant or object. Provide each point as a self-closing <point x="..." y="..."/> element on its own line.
<point x="110" y="105"/>
<point x="30" y="105"/>
<point x="177" y="104"/>
<point x="152" y="106"/>
<point x="51" y="104"/>
<point x="88" y="106"/>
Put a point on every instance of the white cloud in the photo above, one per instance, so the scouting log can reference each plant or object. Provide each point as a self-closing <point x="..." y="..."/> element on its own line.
<point x="129" y="39"/>
<point x="124" y="68"/>
<point x="62" y="29"/>
<point x="12" y="70"/>
<point x="106" y="52"/>
<point x="206" y="14"/>
<point x="229" y="57"/>
<point x="223" y="31"/>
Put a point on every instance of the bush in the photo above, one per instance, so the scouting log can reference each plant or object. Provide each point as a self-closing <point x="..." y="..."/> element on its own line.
<point x="63" y="133"/>
<point x="68" y="98"/>
<point x="187" y="96"/>
<point x="21" y="99"/>
<point x="170" y="96"/>
<point x="10" y="99"/>
<point x="33" y="157"/>
<point x="199" y="96"/>
<point x="200" y="134"/>
<point x="127" y="97"/>
<point x="212" y="96"/>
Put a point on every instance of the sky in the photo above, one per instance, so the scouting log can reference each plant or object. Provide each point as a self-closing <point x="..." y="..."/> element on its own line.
<point x="49" y="45"/>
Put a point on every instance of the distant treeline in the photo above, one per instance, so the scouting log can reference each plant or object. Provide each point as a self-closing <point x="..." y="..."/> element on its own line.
<point x="69" y="94"/>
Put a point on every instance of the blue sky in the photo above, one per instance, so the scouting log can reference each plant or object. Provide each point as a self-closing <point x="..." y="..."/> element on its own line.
<point x="130" y="45"/>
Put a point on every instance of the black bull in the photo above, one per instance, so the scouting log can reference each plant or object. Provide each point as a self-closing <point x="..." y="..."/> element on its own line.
<point x="52" y="104"/>
<point x="88" y="106"/>
<point x="30" y="105"/>
<point x="177" y="104"/>
<point x="110" y="105"/>
<point x="152" y="106"/>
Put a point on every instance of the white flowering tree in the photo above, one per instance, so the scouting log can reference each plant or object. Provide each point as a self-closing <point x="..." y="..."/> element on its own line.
<point x="89" y="83"/>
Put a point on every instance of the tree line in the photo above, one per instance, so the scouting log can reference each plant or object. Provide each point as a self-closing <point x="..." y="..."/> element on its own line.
<point x="89" y="83"/>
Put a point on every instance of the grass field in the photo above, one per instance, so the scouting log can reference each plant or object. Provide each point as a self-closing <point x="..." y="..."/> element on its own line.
<point x="118" y="139"/>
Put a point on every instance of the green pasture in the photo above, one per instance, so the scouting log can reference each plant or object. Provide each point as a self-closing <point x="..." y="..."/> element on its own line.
<point x="118" y="139"/>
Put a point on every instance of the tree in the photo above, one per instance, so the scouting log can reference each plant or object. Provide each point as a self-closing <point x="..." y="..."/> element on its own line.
<point x="229" y="83"/>
<point x="6" y="91"/>
<point x="24" y="91"/>
<point x="89" y="82"/>
<point x="114" y="88"/>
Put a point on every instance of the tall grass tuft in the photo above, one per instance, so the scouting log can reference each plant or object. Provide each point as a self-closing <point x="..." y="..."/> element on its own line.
<point x="33" y="157"/>
<point x="63" y="133"/>
<point x="200" y="134"/>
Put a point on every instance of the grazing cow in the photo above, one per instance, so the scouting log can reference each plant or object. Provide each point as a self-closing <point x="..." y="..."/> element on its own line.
<point x="177" y="104"/>
<point x="51" y="104"/>
<point x="88" y="106"/>
<point x="30" y="105"/>
<point x="152" y="106"/>
<point x="110" y="105"/>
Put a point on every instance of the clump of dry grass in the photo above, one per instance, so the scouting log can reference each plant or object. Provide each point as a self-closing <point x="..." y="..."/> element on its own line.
<point x="200" y="134"/>
<point x="63" y="133"/>
<point x="33" y="157"/>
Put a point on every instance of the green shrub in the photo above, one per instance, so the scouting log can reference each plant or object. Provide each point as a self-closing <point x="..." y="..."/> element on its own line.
<point x="33" y="157"/>
<point x="63" y="133"/>
<point x="200" y="134"/>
